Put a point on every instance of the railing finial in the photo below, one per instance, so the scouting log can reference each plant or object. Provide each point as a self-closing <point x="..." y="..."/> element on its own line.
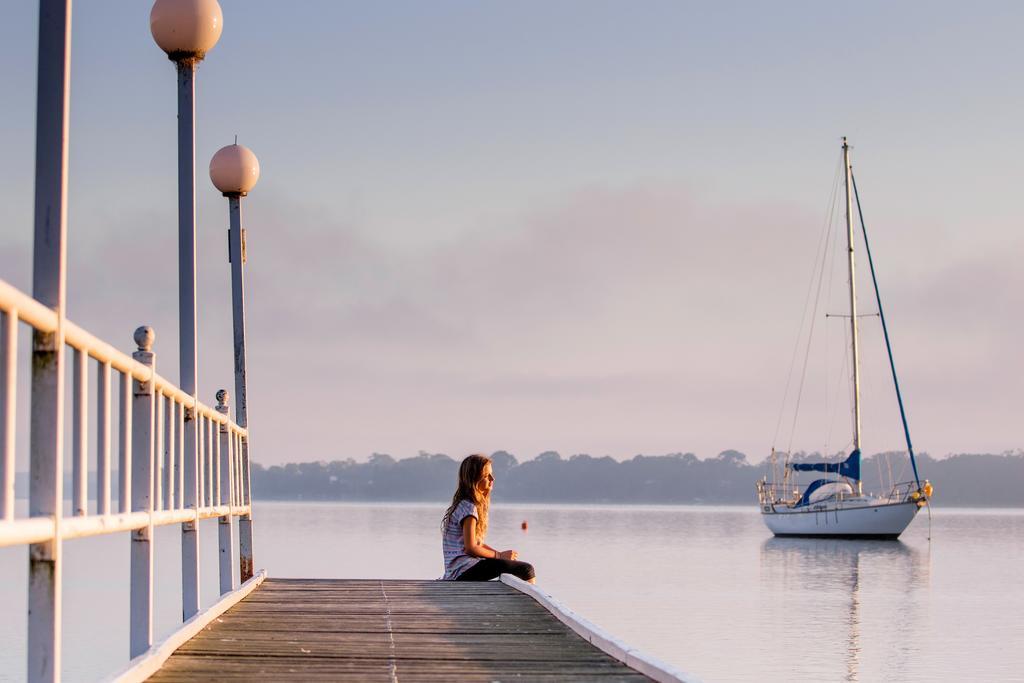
<point x="222" y="400"/>
<point x="144" y="338"/>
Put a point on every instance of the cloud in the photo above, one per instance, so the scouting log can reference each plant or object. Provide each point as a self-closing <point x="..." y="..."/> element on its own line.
<point x="641" y="253"/>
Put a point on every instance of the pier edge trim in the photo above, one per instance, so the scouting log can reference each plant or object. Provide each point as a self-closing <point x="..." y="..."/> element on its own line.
<point x="601" y="639"/>
<point x="150" y="661"/>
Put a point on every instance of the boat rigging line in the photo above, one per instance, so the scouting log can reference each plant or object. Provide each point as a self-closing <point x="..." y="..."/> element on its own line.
<point x="822" y="250"/>
<point x="885" y="332"/>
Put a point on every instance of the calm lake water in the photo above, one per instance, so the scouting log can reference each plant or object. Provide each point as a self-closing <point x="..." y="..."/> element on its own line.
<point x="704" y="588"/>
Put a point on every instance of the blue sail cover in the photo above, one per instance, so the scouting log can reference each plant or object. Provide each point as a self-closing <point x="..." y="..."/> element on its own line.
<point x="848" y="468"/>
<point x="815" y="485"/>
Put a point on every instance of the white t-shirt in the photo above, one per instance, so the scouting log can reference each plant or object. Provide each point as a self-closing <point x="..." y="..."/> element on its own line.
<point x="456" y="561"/>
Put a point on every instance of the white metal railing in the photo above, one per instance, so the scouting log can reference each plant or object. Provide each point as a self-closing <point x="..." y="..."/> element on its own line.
<point x="178" y="461"/>
<point x="157" y="482"/>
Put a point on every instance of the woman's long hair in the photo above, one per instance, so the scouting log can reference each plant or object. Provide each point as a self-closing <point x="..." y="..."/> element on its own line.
<point x="470" y="471"/>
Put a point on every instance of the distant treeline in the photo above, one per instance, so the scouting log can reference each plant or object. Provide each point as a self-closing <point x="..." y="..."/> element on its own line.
<point x="966" y="479"/>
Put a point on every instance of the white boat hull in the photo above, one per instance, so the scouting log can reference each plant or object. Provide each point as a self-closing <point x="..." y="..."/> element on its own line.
<point x="884" y="520"/>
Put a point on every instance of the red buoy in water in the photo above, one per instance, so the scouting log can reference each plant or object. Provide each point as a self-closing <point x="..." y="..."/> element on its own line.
<point x="524" y="525"/>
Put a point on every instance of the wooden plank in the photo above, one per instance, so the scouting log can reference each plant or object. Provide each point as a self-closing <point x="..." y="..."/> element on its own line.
<point x="368" y="630"/>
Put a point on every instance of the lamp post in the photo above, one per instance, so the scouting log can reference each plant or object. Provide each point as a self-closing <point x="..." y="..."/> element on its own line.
<point x="234" y="171"/>
<point x="49" y="287"/>
<point x="186" y="30"/>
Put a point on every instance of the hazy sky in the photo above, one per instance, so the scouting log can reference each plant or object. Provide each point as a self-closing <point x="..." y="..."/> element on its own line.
<point x="581" y="226"/>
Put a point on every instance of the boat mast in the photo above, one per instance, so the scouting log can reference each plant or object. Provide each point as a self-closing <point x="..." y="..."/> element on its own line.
<point x="853" y="305"/>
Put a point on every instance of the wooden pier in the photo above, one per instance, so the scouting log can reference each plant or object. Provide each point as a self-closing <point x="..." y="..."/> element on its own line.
<point x="369" y="630"/>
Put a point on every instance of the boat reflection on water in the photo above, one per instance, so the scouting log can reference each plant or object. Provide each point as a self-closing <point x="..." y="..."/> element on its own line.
<point x="854" y="599"/>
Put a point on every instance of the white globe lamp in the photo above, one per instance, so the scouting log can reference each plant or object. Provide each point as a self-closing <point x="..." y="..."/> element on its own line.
<point x="186" y="29"/>
<point x="234" y="170"/>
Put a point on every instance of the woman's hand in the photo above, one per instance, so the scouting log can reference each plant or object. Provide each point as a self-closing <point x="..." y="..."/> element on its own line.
<point x="508" y="555"/>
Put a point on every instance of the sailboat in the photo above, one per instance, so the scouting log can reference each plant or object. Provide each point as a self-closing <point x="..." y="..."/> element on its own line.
<point x="837" y="506"/>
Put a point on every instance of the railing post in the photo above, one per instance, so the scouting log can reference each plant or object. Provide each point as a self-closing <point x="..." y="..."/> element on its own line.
<point x="169" y="410"/>
<point x="46" y="423"/>
<point x="200" y="463"/>
<point x="79" y="435"/>
<point x="124" y="456"/>
<point x="103" y="438"/>
<point x="8" y="403"/>
<point x="158" y="451"/>
<point x="209" y="471"/>
<point x="245" y="559"/>
<point x="179" y="452"/>
<point x="141" y="626"/>
<point x="227" y="541"/>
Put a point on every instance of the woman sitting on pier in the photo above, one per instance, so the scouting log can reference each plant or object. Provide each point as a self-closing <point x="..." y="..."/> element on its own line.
<point x="464" y="525"/>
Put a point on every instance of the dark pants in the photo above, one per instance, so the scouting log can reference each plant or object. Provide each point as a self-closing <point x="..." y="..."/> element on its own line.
<point x="490" y="568"/>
